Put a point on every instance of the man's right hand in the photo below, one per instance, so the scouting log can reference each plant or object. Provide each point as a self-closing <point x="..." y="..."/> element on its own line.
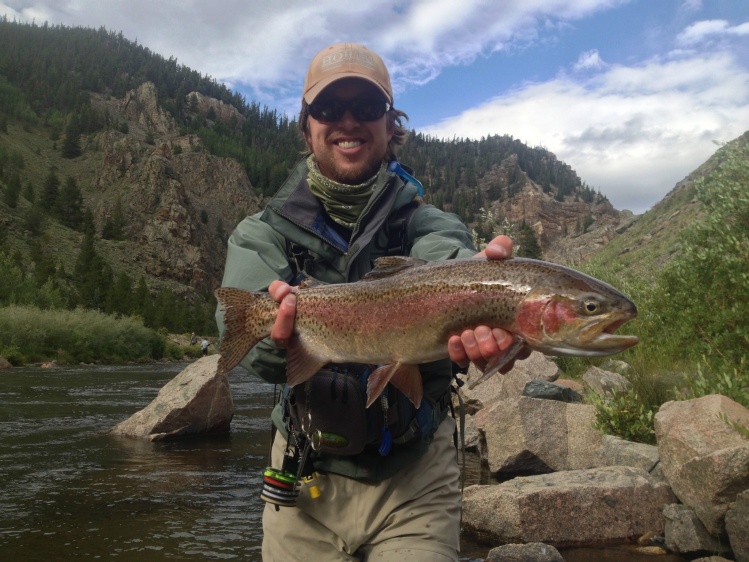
<point x="283" y="328"/>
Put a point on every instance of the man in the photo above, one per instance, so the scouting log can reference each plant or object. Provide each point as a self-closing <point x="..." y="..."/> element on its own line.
<point x="330" y="220"/>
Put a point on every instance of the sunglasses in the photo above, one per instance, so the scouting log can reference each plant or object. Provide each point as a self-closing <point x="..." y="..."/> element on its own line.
<point x="331" y="110"/>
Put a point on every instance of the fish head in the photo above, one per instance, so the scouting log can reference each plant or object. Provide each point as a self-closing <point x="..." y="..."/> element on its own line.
<point x="578" y="316"/>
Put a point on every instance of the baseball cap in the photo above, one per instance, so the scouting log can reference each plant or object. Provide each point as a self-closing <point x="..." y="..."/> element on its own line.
<point x="346" y="60"/>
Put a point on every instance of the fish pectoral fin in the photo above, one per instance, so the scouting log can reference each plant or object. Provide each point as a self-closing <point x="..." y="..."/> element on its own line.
<point x="404" y="377"/>
<point x="300" y="364"/>
<point x="500" y="361"/>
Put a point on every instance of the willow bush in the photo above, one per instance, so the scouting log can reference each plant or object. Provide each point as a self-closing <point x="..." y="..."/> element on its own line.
<point x="29" y="334"/>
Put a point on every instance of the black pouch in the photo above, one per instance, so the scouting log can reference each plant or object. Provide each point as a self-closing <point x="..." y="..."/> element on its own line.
<point x="331" y="409"/>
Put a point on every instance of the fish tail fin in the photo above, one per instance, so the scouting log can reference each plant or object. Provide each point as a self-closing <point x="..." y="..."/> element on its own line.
<point x="240" y="336"/>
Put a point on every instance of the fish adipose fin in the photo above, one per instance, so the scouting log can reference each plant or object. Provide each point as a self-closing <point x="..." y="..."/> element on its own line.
<point x="237" y="341"/>
<point x="404" y="377"/>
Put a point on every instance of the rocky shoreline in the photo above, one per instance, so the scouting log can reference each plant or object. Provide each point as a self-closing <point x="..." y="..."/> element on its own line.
<point x="555" y="482"/>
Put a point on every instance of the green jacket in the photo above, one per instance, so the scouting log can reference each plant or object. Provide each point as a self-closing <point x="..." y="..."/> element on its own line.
<point x="259" y="252"/>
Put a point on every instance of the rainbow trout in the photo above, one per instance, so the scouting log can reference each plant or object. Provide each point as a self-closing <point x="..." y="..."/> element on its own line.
<point x="404" y="311"/>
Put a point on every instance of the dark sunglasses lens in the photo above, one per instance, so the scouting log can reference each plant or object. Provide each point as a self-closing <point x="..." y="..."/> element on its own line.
<point x="329" y="111"/>
<point x="369" y="110"/>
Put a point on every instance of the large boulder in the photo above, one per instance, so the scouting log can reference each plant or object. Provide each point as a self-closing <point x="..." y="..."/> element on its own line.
<point x="196" y="401"/>
<point x="573" y="508"/>
<point x="5" y="364"/>
<point x="705" y="459"/>
<point x="534" y="436"/>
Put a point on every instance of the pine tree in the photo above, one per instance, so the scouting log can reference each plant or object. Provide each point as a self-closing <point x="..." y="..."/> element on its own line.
<point x="71" y="146"/>
<point x="50" y="192"/>
<point x="69" y="208"/>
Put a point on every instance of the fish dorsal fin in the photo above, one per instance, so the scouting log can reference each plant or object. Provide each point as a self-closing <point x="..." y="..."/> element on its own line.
<point x="392" y="265"/>
<point x="309" y="282"/>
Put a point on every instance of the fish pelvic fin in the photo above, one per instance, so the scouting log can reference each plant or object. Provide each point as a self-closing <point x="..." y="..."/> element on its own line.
<point x="404" y="377"/>
<point x="246" y="322"/>
<point x="300" y="363"/>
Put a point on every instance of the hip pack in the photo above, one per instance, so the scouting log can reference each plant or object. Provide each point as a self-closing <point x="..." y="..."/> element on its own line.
<point x="329" y="409"/>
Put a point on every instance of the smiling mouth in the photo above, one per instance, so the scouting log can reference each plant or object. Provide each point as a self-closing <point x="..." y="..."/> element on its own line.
<point x="350" y="143"/>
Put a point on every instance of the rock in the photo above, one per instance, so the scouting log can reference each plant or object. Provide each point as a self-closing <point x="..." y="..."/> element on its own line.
<point x="536" y="367"/>
<point x="711" y="559"/>
<point x="472" y="437"/>
<point x="573" y="508"/>
<point x="5" y="364"/>
<point x="531" y="552"/>
<point x="616" y="366"/>
<point x="196" y="401"/>
<point x="737" y="527"/>
<point x="651" y="550"/>
<point x="550" y="391"/>
<point x="615" y="451"/>
<point x="577" y="386"/>
<point x="705" y="460"/>
<point x="531" y="436"/>
<point x="685" y="533"/>
<point x="604" y="383"/>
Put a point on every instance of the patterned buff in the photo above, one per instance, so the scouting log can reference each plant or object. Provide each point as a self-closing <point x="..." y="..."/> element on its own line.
<point x="344" y="203"/>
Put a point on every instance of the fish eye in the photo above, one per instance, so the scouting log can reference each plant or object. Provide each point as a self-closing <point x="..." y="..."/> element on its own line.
<point x="591" y="307"/>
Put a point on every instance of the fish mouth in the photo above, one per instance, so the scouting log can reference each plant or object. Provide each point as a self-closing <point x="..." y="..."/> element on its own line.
<point x="598" y="338"/>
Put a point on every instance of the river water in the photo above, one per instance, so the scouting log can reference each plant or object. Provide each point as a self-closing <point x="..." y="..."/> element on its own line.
<point x="70" y="491"/>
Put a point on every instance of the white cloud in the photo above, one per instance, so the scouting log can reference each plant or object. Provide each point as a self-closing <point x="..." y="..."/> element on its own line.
<point x="589" y="60"/>
<point x="632" y="132"/>
<point x="265" y="45"/>
<point x="708" y="29"/>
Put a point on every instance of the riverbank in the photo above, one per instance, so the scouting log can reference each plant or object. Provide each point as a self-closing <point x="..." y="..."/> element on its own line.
<point x="33" y="336"/>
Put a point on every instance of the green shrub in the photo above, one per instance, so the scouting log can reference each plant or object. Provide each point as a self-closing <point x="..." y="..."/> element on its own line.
<point x="77" y="336"/>
<point x="625" y="415"/>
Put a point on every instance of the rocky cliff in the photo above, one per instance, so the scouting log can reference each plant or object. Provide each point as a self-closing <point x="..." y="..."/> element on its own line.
<point x="179" y="202"/>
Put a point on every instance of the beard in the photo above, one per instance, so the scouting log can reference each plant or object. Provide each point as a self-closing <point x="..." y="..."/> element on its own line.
<point x="348" y="174"/>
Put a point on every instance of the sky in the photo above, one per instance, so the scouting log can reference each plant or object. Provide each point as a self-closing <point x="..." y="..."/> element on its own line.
<point x="633" y="94"/>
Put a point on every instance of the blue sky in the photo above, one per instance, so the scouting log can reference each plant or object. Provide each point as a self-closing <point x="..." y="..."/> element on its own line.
<point x="633" y="94"/>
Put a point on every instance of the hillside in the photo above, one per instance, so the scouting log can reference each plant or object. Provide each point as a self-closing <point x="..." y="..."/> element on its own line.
<point x="106" y="144"/>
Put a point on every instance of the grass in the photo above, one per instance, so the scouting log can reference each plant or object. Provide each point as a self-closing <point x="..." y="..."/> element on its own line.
<point x="29" y="334"/>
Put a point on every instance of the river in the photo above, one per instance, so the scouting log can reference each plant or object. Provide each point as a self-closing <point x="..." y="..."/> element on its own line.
<point x="70" y="491"/>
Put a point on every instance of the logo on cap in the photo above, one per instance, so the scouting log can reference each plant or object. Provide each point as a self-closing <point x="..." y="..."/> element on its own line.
<point x="348" y="56"/>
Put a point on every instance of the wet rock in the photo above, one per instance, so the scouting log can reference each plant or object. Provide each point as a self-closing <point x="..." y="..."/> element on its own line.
<point x="705" y="460"/>
<point x="196" y="401"/>
<point x="604" y="505"/>
<point x="5" y="364"/>
<point x="531" y="552"/>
